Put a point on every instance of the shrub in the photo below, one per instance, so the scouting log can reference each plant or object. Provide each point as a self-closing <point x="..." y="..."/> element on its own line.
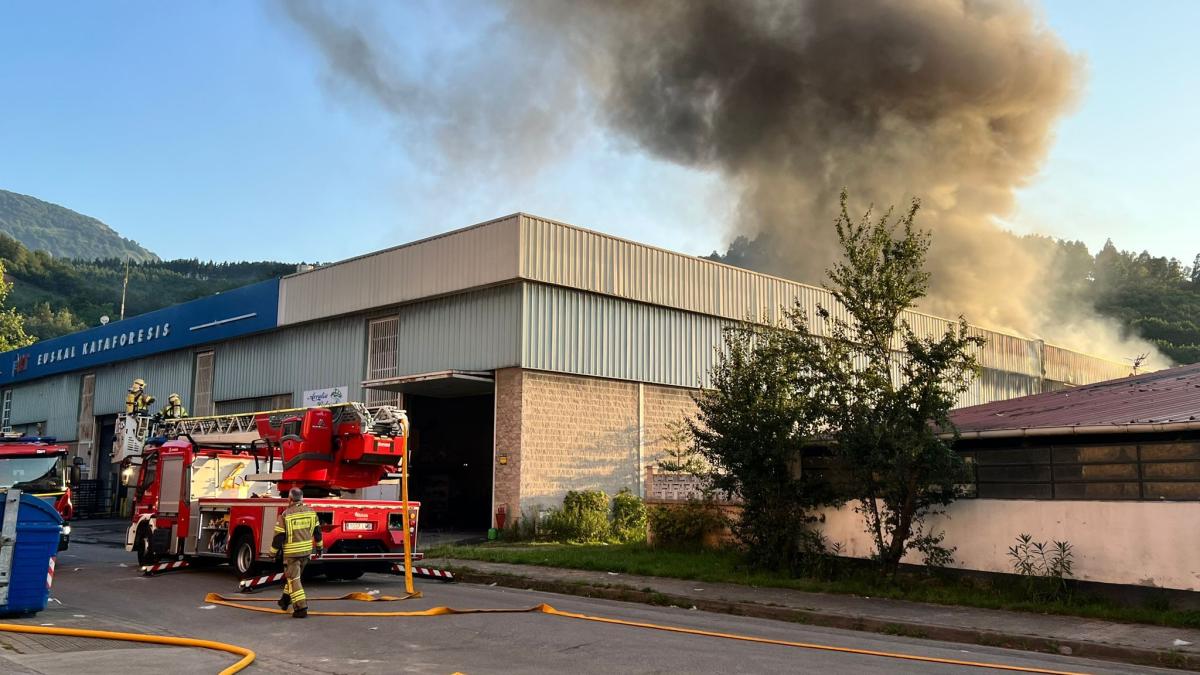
<point x="628" y="517"/>
<point x="684" y="525"/>
<point x="583" y="517"/>
<point x="1045" y="567"/>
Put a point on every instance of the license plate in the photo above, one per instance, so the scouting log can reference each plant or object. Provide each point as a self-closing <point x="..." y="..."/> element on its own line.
<point x="358" y="526"/>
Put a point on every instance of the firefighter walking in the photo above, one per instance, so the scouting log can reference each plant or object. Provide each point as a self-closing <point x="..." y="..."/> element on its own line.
<point x="296" y="531"/>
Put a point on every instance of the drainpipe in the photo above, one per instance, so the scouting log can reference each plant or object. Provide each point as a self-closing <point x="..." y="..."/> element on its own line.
<point x="641" y="441"/>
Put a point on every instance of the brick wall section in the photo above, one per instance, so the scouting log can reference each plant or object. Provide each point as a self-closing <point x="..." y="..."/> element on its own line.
<point x="507" y="477"/>
<point x="663" y="406"/>
<point x="576" y="433"/>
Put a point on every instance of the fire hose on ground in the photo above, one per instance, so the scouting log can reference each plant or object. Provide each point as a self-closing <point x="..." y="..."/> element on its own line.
<point x="239" y="603"/>
<point x="246" y="654"/>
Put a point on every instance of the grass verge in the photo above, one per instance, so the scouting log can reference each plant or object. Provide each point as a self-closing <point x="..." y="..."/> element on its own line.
<point x="727" y="566"/>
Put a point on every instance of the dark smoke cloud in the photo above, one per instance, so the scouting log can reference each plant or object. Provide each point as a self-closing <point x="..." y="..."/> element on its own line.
<point x="951" y="101"/>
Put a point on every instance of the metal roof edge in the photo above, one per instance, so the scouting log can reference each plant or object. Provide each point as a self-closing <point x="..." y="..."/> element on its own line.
<point x="408" y="244"/>
<point x="1077" y="430"/>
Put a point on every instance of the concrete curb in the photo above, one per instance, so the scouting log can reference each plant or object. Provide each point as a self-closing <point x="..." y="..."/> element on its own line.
<point x="1032" y="643"/>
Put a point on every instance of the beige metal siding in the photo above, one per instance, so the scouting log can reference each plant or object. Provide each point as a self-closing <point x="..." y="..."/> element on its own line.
<point x="164" y="374"/>
<point x="470" y="331"/>
<point x="53" y="400"/>
<point x="477" y="256"/>
<point x="313" y="356"/>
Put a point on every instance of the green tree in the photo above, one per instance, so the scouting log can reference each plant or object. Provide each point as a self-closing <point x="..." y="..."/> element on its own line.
<point x="45" y="323"/>
<point x="859" y="384"/>
<point x="751" y="428"/>
<point x="889" y="390"/>
<point x="12" y="324"/>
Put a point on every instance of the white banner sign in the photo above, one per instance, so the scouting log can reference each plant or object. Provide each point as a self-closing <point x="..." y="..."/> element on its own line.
<point x="324" y="396"/>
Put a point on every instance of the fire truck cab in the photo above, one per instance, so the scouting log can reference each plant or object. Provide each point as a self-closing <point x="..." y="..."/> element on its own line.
<point x="38" y="465"/>
<point x="220" y="501"/>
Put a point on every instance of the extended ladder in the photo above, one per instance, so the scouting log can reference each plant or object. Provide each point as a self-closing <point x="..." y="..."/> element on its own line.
<point x="134" y="430"/>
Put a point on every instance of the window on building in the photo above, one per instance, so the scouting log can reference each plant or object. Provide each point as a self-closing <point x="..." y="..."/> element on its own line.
<point x="255" y="404"/>
<point x="87" y="419"/>
<point x="1158" y="471"/>
<point x="382" y="351"/>
<point x="202" y="387"/>
<point x="29" y="429"/>
<point x="6" y="411"/>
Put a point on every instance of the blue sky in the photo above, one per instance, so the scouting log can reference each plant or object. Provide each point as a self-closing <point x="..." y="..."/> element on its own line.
<point x="209" y="130"/>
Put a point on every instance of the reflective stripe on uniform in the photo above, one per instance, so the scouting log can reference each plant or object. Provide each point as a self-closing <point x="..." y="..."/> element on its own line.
<point x="298" y="526"/>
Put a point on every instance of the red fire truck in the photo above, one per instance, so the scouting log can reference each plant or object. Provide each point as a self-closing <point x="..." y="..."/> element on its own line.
<point x="212" y="488"/>
<point x="38" y="466"/>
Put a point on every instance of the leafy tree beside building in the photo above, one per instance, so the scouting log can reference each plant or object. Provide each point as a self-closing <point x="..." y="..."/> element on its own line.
<point x="866" y="389"/>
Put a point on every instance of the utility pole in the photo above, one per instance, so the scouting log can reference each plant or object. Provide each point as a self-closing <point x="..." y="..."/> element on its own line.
<point x="124" y="287"/>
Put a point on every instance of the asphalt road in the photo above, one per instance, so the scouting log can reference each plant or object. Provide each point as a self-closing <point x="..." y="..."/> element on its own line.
<point x="97" y="585"/>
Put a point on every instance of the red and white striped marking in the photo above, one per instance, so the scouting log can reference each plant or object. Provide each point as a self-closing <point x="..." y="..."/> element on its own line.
<point x="425" y="572"/>
<point x="50" y="574"/>
<point x="164" y="567"/>
<point x="260" y="581"/>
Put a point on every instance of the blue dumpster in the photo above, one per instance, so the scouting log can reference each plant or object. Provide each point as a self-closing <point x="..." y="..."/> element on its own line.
<point x="36" y="543"/>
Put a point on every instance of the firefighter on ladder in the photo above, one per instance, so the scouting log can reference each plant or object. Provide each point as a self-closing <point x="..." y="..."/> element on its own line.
<point x="296" y="531"/>
<point x="174" y="409"/>
<point x="137" y="401"/>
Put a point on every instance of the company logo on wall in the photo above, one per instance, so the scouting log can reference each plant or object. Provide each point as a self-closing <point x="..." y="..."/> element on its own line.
<point x="120" y="341"/>
<point x="329" y="396"/>
<point x="240" y="311"/>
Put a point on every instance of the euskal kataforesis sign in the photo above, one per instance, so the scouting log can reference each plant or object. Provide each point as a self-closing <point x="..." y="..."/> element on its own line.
<point x="232" y="313"/>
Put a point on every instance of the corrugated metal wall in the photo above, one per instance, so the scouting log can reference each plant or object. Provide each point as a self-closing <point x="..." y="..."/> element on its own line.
<point x="163" y="373"/>
<point x="470" y="331"/>
<point x="54" y="400"/>
<point x="580" y="333"/>
<point x="478" y="256"/>
<point x="1068" y="367"/>
<point x="565" y="255"/>
<point x="587" y="334"/>
<point x="313" y="356"/>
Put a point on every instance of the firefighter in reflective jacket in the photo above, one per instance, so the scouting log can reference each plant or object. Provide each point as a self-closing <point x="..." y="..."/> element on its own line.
<point x="295" y="532"/>
<point x="137" y="401"/>
<point x="174" y="409"/>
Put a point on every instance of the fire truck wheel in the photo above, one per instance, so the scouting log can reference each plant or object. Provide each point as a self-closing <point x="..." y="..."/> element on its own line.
<point x="243" y="556"/>
<point x="141" y="544"/>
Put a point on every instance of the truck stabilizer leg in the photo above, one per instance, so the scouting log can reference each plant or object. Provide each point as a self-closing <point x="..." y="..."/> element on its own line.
<point x="425" y="572"/>
<point x="261" y="581"/>
<point x="159" y="568"/>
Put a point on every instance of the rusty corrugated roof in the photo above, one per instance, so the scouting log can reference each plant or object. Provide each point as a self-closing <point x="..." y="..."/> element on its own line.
<point x="1162" y="397"/>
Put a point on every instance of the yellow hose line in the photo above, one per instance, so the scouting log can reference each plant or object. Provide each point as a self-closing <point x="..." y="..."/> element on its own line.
<point x="217" y="599"/>
<point x="246" y="654"/>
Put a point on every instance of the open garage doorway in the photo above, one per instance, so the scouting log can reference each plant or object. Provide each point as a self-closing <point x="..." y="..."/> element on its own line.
<point x="451" y="418"/>
<point x="451" y="444"/>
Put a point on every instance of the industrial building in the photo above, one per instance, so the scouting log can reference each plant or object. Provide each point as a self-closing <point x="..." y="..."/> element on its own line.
<point x="533" y="357"/>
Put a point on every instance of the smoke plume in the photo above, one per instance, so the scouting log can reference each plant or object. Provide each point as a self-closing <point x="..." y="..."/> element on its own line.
<point x="950" y="101"/>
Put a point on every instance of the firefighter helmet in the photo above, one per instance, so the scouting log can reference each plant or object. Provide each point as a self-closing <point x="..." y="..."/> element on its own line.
<point x="139" y="382"/>
<point x="173" y="398"/>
